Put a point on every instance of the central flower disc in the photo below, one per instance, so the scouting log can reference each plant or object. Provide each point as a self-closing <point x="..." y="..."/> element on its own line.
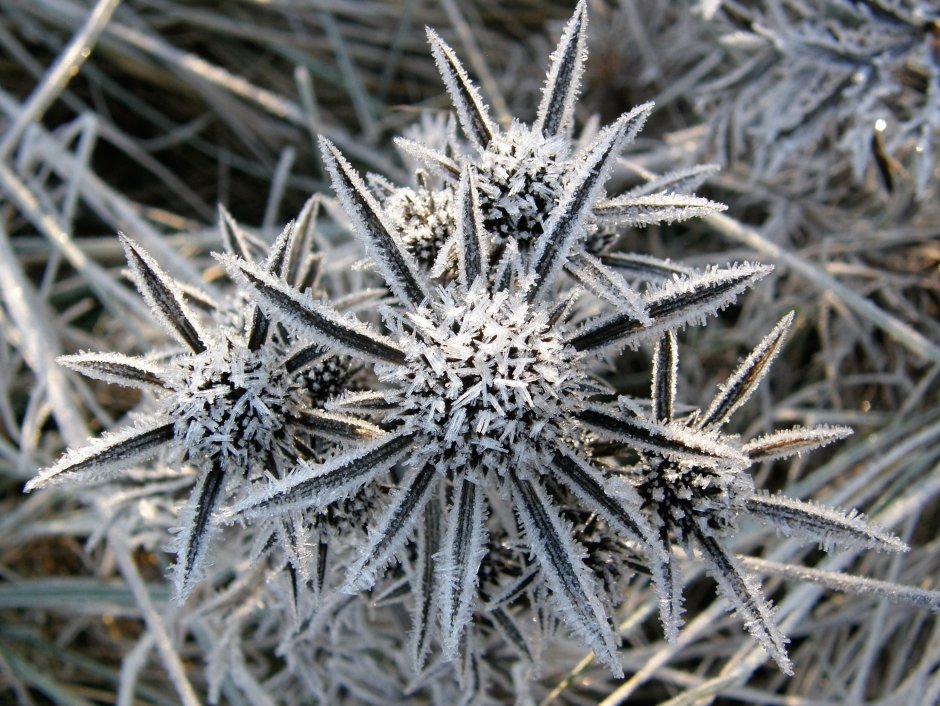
<point x="682" y="496"/>
<point x="522" y="175"/>
<point x="229" y="404"/>
<point x="486" y="378"/>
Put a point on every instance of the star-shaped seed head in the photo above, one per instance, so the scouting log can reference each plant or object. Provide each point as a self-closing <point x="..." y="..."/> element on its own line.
<point x="485" y="375"/>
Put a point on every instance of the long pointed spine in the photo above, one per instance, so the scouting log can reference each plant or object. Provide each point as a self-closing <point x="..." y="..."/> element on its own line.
<point x="460" y="561"/>
<point x="393" y="528"/>
<point x="471" y="236"/>
<point x="746" y="597"/>
<point x="745" y="379"/>
<point x="332" y="330"/>
<point x="563" y="229"/>
<point x="197" y="530"/>
<point x="562" y="567"/>
<point x="164" y="297"/>
<point x="471" y="111"/>
<point x="665" y="370"/>
<point x="117" y="451"/>
<point x="396" y="264"/>
<point x="556" y="108"/>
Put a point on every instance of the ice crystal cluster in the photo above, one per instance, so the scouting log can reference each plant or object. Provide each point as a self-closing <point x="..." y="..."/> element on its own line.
<point x="460" y="454"/>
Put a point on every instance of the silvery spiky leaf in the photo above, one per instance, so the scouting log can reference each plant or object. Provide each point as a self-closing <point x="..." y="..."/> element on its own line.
<point x="164" y="296"/>
<point x="680" y="181"/>
<point x="643" y="267"/>
<point x="229" y="403"/>
<point x="566" y="223"/>
<point x="676" y="303"/>
<point x="471" y="111"/>
<point x="117" y="369"/>
<point x="828" y="526"/>
<point x="653" y="208"/>
<point x="397" y="266"/>
<point x="556" y="109"/>
<point x="697" y="504"/>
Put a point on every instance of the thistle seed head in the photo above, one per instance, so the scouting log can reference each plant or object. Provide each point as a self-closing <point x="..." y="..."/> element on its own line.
<point x="522" y="176"/>
<point x="485" y="375"/>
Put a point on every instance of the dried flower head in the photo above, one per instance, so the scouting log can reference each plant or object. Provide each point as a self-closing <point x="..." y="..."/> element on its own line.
<point x="233" y="404"/>
<point x="524" y="173"/>
<point x="698" y="505"/>
<point x="487" y="395"/>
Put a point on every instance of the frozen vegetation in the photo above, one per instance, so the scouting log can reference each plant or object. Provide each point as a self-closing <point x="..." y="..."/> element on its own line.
<point x="597" y="363"/>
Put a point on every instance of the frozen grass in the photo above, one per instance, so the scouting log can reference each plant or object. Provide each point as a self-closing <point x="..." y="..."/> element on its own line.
<point x="180" y="106"/>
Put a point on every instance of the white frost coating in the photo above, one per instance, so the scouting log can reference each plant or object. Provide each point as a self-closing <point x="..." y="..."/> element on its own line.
<point x="168" y="306"/>
<point x="747" y="376"/>
<point x="483" y="372"/>
<point x="787" y="442"/>
<point x="328" y="327"/>
<point x="680" y="181"/>
<point x="458" y="563"/>
<point x="104" y="457"/>
<point x="560" y="91"/>
<point x="472" y="112"/>
<point x="645" y="210"/>
<point x="560" y="560"/>
<point x="827" y="525"/>
<point x="116" y="368"/>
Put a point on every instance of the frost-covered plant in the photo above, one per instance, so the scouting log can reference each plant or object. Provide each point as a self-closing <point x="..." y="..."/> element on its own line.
<point x="524" y="173"/>
<point x="463" y="452"/>
<point x="237" y="400"/>
<point x="486" y="388"/>
<point x="697" y="505"/>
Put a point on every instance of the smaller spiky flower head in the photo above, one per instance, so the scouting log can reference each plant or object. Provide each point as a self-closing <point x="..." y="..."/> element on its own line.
<point x="524" y="173"/>
<point x="487" y="403"/>
<point x="233" y="404"/>
<point x="698" y="506"/>
<point x="425" y="218"/>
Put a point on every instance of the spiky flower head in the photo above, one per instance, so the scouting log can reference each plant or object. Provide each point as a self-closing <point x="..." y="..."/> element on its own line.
<point x="698" y="505"/>
<point x="484" y="373"/>
<point x="232" y="404"/>
<point x="425" y="218"/>
<point x="487" y="397"/>
<point x="524" y="172"/>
